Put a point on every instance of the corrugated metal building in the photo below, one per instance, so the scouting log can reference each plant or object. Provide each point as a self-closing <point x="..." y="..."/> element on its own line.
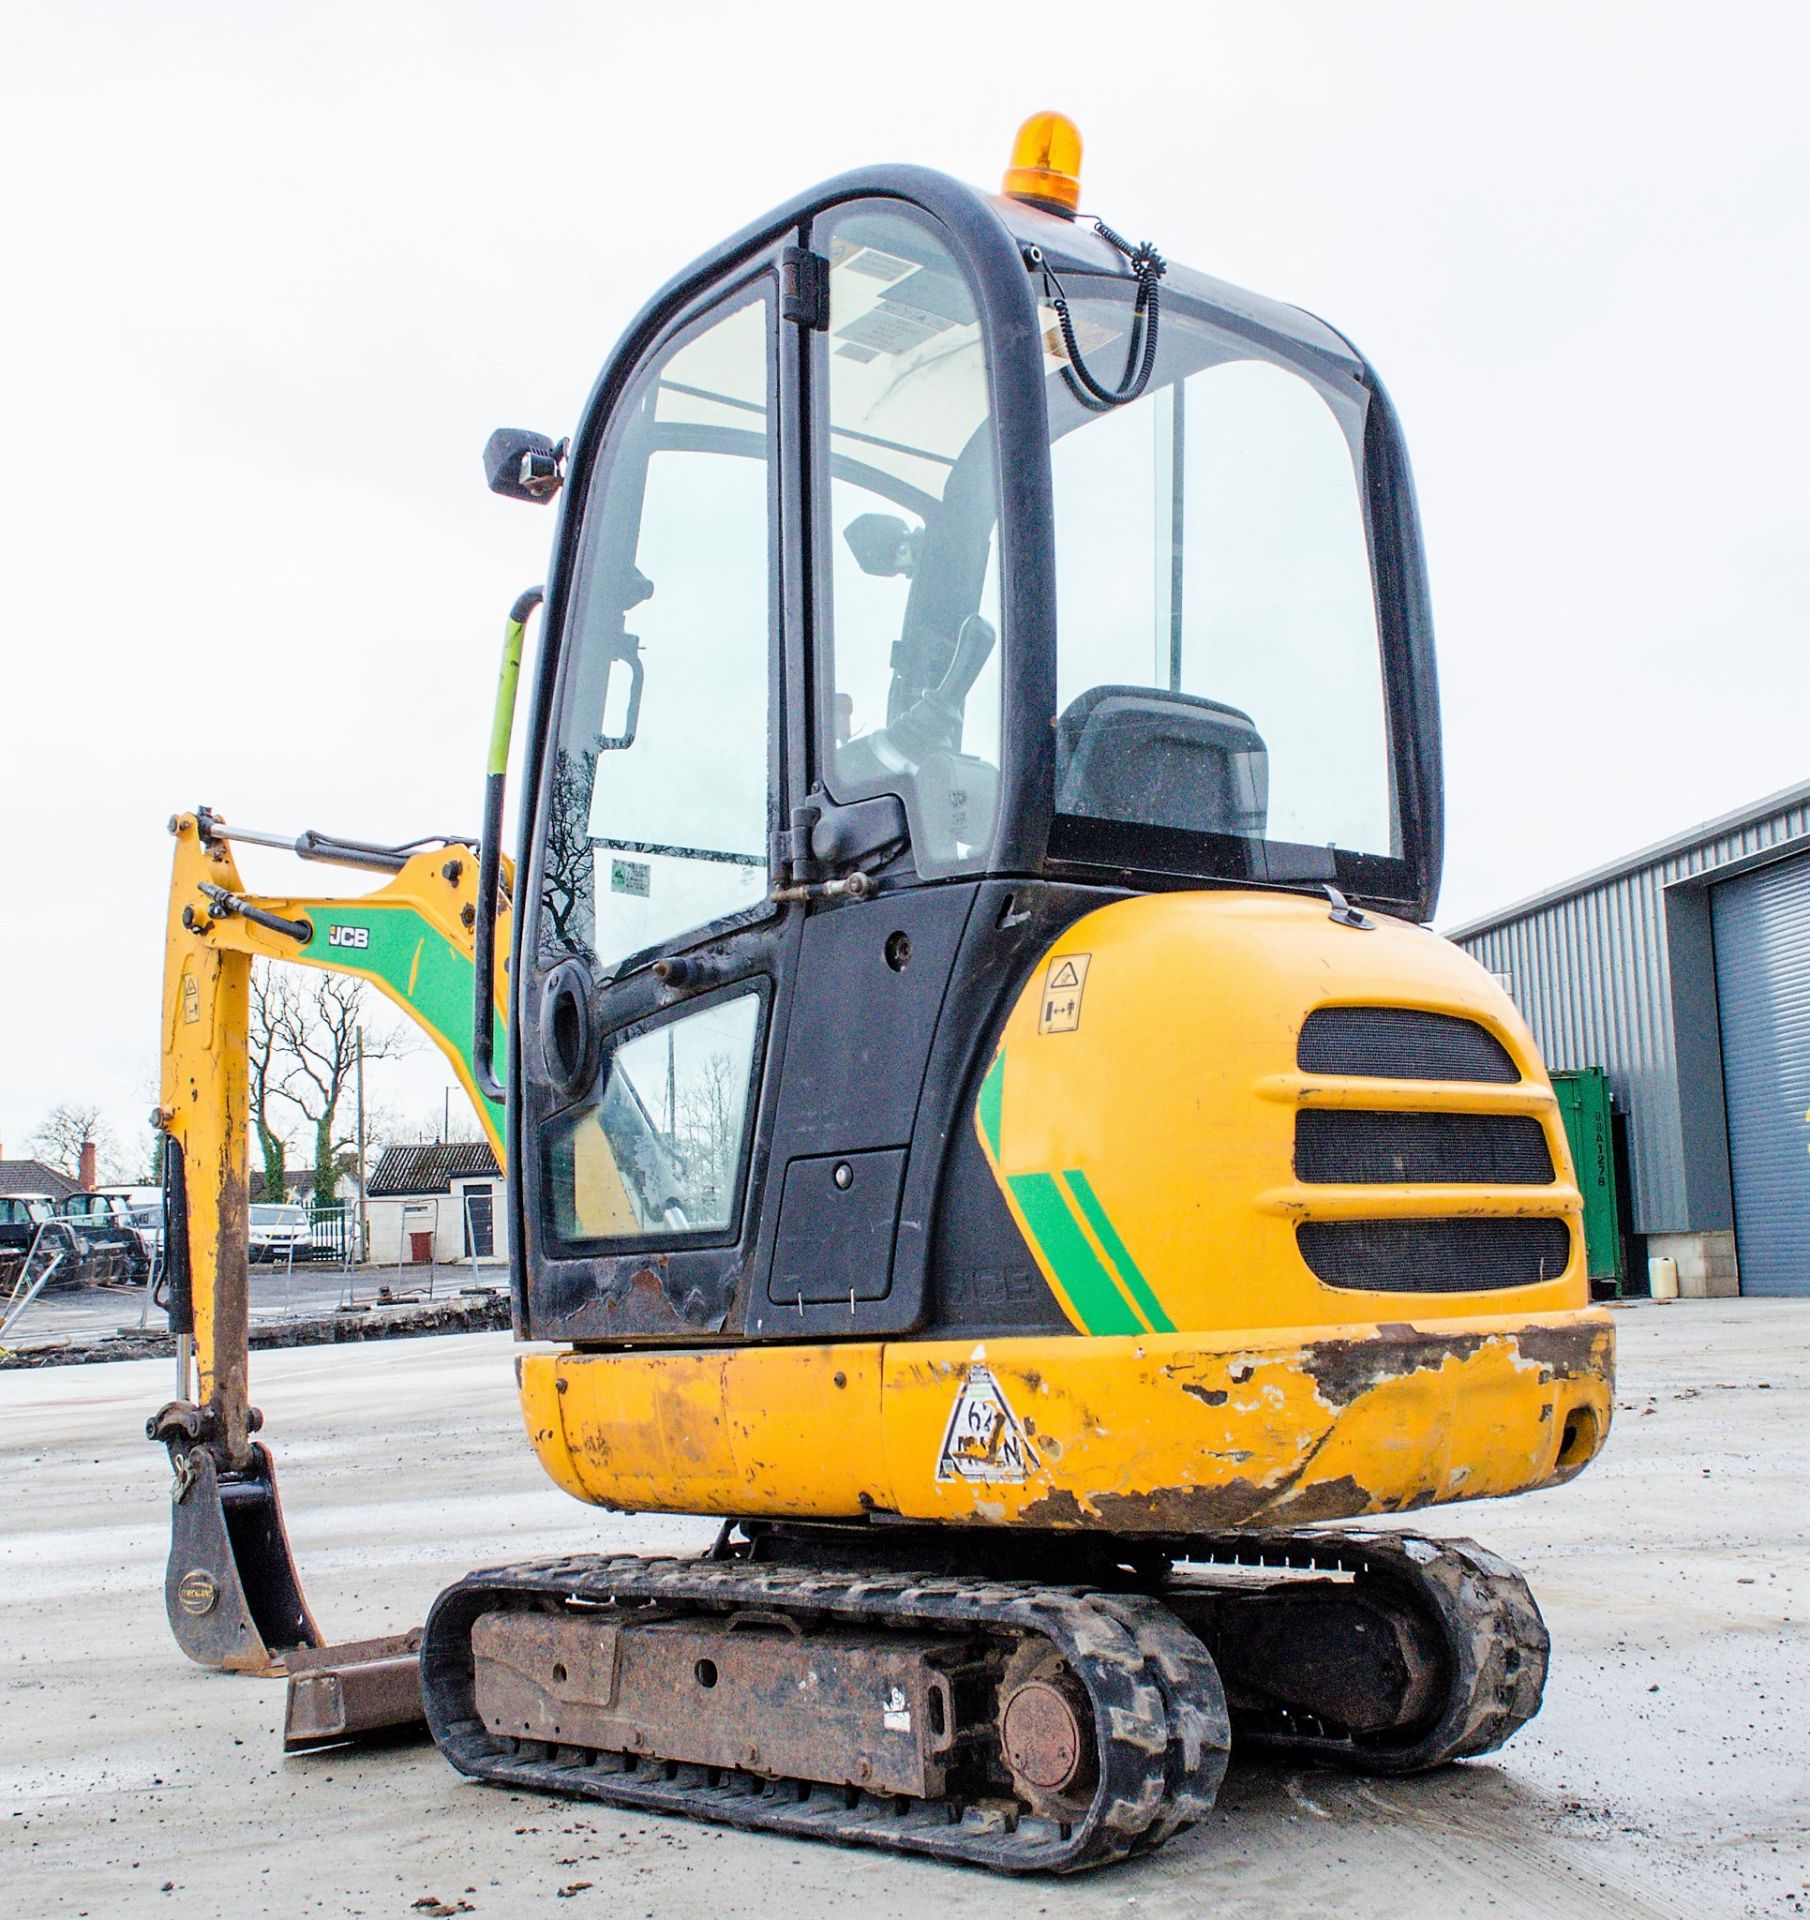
<point x="1684" y="972"/>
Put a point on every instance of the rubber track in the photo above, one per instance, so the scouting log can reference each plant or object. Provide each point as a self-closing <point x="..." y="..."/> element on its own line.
<point x="1159" y="1709"/>
<point x="1495" y="1642"/>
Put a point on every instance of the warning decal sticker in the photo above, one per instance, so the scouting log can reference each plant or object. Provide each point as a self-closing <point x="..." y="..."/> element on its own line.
<point x="984" y="1440"/>
<point x="1059" y="1011"/>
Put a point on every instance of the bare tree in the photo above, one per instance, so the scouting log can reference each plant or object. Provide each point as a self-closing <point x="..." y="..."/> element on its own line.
<point x="273" y="1007"/>
<point x="456" y="1120"/>
<point x="317" y="1041"/>
<point x="709" y="1118"/>
<point x="66" y="1130"/>
<point x="148" y="1092"/>
<point x="568" y="911"/>
<point x="386" y="1126"/>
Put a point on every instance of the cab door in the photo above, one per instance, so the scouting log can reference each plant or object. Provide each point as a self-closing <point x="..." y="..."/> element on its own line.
<point x="655" y="965"/>
<point x="895" y="985"/>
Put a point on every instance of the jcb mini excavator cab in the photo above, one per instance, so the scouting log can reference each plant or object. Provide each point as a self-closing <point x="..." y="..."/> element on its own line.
<point x="982" y="1116"/>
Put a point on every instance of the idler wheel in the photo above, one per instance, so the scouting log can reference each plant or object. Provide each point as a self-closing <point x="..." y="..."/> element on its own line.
<point x="1046" y="1734"/>
<point x="1042" y="1736"/>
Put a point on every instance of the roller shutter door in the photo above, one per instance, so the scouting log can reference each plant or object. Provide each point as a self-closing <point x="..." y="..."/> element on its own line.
<point x="1762" y="927"/>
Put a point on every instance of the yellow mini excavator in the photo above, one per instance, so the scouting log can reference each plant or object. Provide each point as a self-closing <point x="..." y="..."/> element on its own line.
<point x="984" y="1115"/>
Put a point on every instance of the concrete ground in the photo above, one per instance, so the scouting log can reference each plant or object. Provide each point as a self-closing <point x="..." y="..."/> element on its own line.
<point x="1669" y="1773"/>
<point x="64" y="1316"/>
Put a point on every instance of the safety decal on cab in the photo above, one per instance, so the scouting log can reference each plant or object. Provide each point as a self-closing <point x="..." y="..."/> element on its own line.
<point x="1059" y="1009"/>
<point x="984" y="1440"/>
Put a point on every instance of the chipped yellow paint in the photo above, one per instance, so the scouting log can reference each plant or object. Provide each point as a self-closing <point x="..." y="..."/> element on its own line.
<point x="771" y="1430"/>
<point x="1152" y="1434"/>
<point x="206" y="1097"/>
<point x="541" y="1413"/>
<point x="1266" y="1398"/>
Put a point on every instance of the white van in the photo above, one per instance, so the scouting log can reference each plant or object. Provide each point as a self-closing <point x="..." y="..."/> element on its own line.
<point x="280" y="1233"/>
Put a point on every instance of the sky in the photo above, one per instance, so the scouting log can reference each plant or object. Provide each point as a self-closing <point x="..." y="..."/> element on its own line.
<point x="275" y="272"/>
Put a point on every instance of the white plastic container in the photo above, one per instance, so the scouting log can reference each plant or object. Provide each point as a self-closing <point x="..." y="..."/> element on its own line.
<point x="1662" y="1278"/>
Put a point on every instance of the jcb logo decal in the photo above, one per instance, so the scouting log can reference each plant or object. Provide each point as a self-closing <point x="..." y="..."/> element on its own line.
<point x="348" y="936"/>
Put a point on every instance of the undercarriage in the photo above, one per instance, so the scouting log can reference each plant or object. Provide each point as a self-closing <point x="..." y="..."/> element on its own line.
<point x="938" y="1696"/>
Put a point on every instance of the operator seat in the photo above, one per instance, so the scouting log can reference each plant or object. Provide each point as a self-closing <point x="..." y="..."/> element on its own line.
<point x="1158" y="759"/>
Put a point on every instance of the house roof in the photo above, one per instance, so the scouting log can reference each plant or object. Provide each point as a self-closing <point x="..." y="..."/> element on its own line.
<point x="431" y="1168"/>
<point x="21" y="1177"/>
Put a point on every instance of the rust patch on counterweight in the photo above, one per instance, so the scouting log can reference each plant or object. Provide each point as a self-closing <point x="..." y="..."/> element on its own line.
<point x="1163" y="1510"/>
<point x="1563" y="1353"/>
<point x="1340" y="1499"/>
<point x="1345" y="1370"/>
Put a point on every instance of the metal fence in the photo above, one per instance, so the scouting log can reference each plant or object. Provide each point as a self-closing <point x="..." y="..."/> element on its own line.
<point x="53" y="1252"/>
<point x="333" y="1234"/>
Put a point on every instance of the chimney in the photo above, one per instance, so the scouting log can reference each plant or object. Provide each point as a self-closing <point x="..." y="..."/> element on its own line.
<point x="88" y="1176"/>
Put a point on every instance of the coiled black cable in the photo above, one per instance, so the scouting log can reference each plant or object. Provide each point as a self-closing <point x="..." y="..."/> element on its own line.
<point x="1140" y="354"/>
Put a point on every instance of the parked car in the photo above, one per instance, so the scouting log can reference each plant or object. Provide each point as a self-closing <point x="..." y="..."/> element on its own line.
<point x="20" y="1217"/>
<point x="281" y="1233"/>
<point x="143" y="1211"/>
<point x="108" y="1245"/>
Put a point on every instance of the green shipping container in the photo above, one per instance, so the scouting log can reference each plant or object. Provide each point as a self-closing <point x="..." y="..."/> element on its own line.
<point x="1589" y="1128"/>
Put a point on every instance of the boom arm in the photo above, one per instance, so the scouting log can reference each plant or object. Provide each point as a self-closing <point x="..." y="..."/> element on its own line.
<point x="232" y="1593"/>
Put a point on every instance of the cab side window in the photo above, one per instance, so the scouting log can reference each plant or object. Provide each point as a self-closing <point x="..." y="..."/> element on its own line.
<point x="658" y="817"/>
<point x="909" y="667"/>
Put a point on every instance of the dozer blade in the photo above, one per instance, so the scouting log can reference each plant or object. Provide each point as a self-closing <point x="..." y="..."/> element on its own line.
<point x="231" y="1590"/>
<point x="359" y="1690"/>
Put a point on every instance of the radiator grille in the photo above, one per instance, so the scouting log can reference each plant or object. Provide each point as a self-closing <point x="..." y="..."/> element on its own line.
<point x="1402" y="1043"/>
<point x="1439" y="1149"/>
<point x="1435" y="1256"/>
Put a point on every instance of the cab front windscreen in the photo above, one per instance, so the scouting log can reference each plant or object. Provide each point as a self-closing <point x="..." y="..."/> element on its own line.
<point x="1220" y="691"/>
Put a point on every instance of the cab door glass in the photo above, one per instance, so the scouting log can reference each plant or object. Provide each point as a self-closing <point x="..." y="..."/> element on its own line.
<point x="909" y="667"/>
<point x="661" y="1153"/>
<point x="658" y="810"/>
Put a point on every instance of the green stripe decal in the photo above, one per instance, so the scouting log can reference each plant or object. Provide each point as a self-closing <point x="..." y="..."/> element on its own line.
<point x="1090" y="1288"/>
<point x="1117" y="1252"/>
<point x="992" y="1102"/>
<point x="427" y="973"/>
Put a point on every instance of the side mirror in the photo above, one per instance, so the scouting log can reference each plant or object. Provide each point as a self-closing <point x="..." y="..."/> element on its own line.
<point x="524" y="466"/>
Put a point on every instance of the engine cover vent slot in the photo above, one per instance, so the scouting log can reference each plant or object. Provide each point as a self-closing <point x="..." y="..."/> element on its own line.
<point x="1402" y="1043"/>
<point x="1435" y="1149"/>
<point x="1435" y="1256"/>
